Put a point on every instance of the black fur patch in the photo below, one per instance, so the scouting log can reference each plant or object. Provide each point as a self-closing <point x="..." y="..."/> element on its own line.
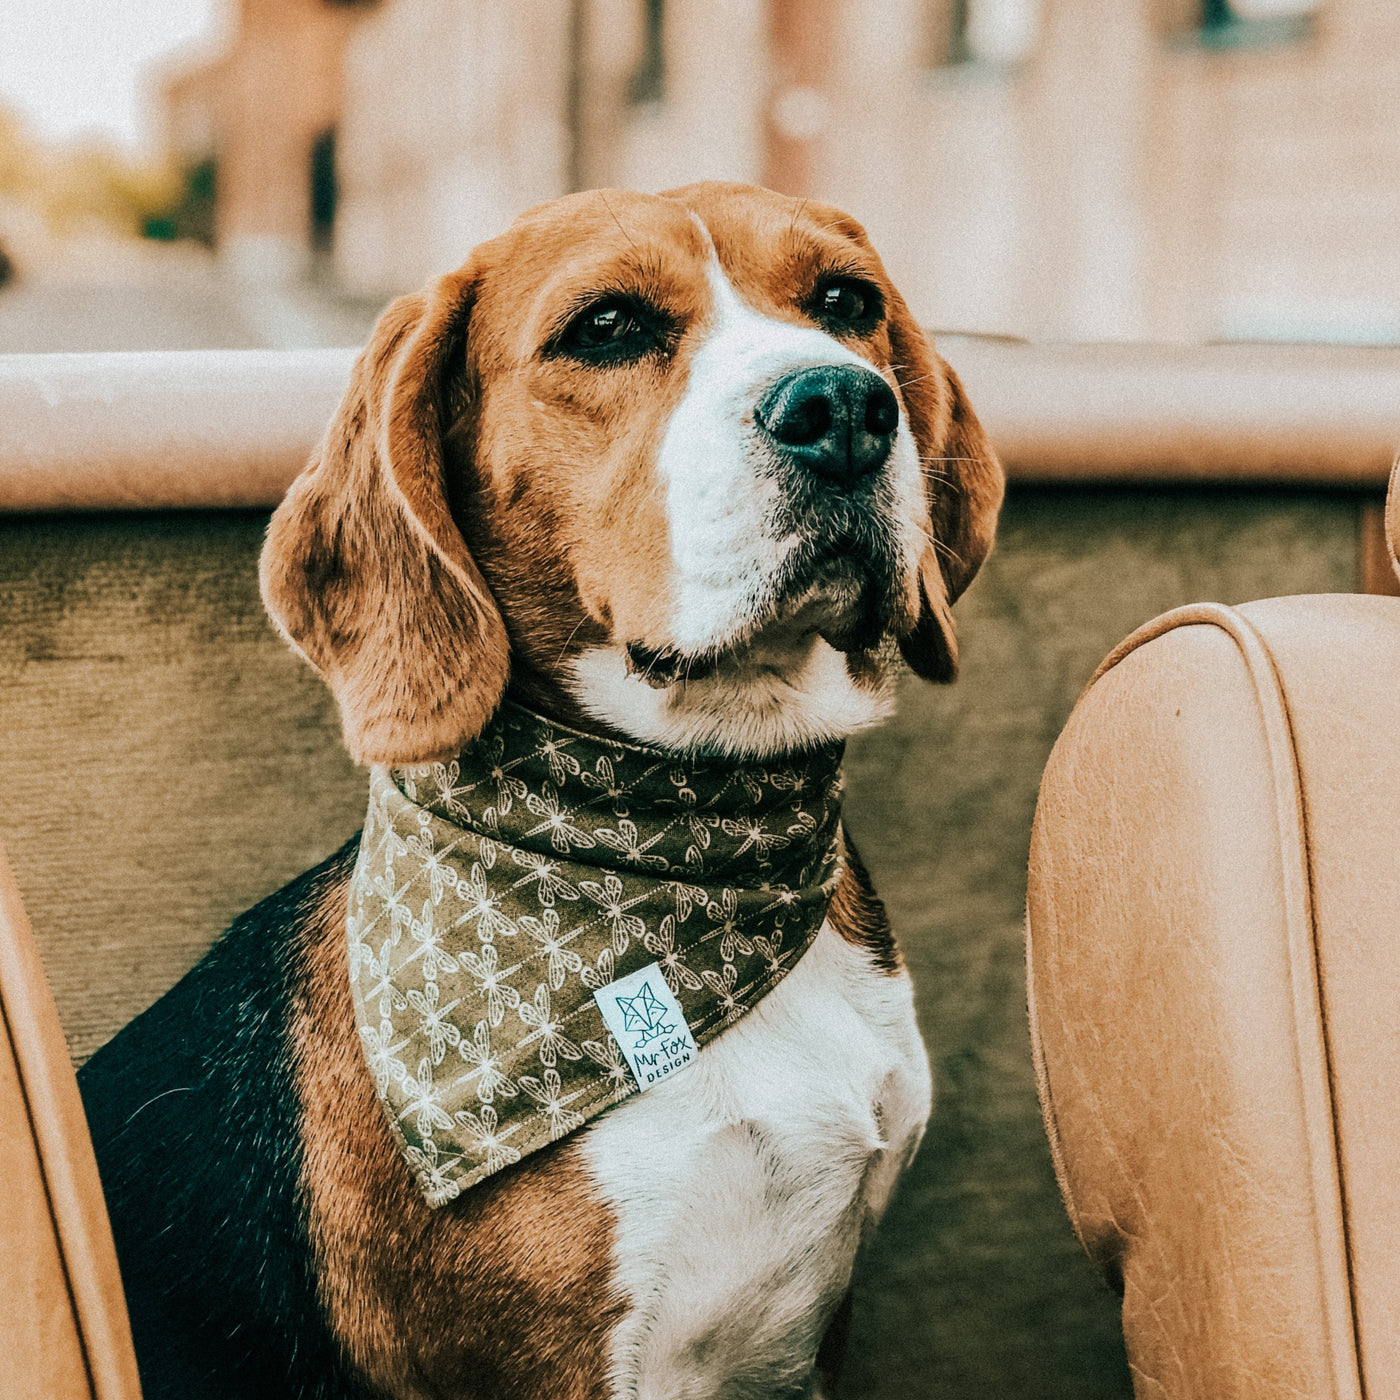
<point x="195" y="1121"/>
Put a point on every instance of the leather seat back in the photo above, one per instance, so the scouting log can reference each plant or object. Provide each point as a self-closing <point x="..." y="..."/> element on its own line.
<point x="1214" y="965"/>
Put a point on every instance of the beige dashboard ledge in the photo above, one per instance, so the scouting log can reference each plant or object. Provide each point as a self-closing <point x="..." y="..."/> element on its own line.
<point x="161" y="430"/>
<point x="230" y="428"/>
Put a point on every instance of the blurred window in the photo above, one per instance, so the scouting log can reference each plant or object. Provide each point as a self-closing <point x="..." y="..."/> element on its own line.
<point x="649" y="80"/>
<point x="1230" y="24"/>
<point x="325" y="191"/>
<point x="1000" y="33"/>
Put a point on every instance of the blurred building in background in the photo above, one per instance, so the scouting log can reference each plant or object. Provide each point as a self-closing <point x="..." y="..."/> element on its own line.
<point x="253" y="134"/>
<point x="1166" y="169"/>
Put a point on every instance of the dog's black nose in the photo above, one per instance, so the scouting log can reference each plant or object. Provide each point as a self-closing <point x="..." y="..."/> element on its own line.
<point x="837" y="420"/>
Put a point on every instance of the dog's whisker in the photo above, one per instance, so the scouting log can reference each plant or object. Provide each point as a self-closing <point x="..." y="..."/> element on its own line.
<point x="947" y="550"/>
<point x="617" y="221"/>
<point x="568" y="641"/>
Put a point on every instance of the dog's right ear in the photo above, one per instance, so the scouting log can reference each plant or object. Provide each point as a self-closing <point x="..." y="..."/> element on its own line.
<point x="964" y="484"/>
<point x="364" y="570"/>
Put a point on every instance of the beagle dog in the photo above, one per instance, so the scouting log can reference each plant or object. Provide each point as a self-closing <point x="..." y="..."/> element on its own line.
<point x="679" y="469"/>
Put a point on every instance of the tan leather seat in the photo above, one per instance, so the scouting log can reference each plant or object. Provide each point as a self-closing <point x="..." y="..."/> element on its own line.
<point x="63" y="1323"/>
<point x="1214" y="986"/>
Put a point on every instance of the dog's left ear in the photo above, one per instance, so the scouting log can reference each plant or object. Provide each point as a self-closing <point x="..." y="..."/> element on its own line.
<point x="364" y="570"/>
<point x="963" y="484"/>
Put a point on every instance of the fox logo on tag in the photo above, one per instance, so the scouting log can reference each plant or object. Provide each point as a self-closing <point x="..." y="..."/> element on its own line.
<point x="648" y="1024"/>
<point x="644" y="1015"/>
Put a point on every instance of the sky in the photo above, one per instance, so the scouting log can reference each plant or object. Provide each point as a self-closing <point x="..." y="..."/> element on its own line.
<point x="80" y="68"/>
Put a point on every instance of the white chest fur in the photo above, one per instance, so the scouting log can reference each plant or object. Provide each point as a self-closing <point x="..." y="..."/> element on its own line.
<point x="743" y="1188"/>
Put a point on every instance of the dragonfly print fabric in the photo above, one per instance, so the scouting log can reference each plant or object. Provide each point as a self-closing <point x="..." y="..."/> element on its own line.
<point x="496" y="894"/>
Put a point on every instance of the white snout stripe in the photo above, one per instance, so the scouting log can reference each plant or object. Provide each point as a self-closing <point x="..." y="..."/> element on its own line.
<point x="721" y="498"/>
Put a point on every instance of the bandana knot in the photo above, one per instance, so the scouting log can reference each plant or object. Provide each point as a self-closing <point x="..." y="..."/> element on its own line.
<point x="552" y="918"/>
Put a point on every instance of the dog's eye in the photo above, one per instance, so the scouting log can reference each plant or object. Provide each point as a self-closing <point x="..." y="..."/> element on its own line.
<point x="848" y="302"/>
<point x="608" y="330"/>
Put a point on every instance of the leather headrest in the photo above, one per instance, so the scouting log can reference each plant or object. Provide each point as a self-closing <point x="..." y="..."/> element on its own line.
<point x="1392" y="517"/>
<point x="1212" y="980"/>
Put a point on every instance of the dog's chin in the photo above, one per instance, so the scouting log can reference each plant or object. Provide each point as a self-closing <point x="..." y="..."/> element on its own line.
<point x="815" y="666"/>
<point x="843" y="604"/>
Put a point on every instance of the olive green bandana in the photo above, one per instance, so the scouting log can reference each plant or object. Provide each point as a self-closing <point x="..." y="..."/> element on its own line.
<point x="553" y="921"/>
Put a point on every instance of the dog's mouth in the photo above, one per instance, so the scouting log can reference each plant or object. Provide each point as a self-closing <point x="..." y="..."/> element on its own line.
<point x="664" y="666"/>
<point x="842" y="591"/>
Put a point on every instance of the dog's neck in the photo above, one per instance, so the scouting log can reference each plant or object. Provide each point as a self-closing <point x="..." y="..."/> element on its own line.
<point x="763" y="701"/>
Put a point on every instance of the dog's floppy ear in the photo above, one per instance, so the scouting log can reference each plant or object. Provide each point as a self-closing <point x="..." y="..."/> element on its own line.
<point x="364" y="570"/>
<point x="963" y="483"/>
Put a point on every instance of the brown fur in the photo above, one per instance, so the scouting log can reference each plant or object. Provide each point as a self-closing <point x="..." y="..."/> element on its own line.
<point x="504" y="1292"/>
<point x="858" y="914"/>
<point x="965" y="486"/>
<point x="553" y="477"/>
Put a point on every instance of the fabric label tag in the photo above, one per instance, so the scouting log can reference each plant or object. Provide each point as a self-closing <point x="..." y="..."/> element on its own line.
<point x="648" y="1024"/>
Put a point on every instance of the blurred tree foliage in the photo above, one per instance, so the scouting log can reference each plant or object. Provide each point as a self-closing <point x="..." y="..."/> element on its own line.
<point x="84" y="184"/>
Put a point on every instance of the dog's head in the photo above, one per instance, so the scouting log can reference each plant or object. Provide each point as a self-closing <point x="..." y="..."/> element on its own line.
<point x="681" y="464"/>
